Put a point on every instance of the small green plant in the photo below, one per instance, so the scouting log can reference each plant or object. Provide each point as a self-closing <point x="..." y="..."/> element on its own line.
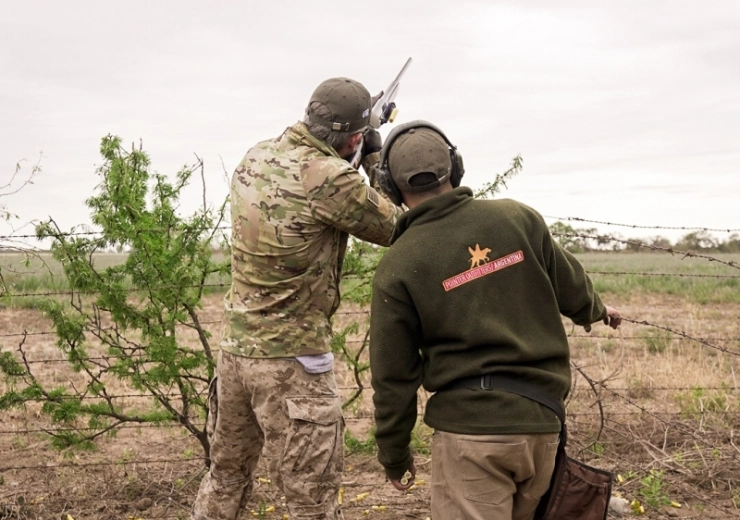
<point x="490" y="189"/>
<point x="19" y="442"/>
<point x="638" y="389"/>
<point x="736" y="497"/>
<point x="607" y="346"/>
<point x="629" y="475"/>
<point x="657" y="340"/>
<point x="134" y="309"/>
<point x="355" y="445"/>
<point x="652" y="489"/>
<point x="132" y="487"/>
<point x="597" y="448"/>
<point x="696" y="402"/>
<point x="263" y="509"/>
<point x="678" y="458"/>
<point x="421" y="439"/>
<point x="126" y="456"/>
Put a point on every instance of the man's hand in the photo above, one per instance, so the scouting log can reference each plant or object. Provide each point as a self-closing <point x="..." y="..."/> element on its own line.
<point x="613" y="318"/>
<point x="372" y="142"/>
<point x="407" y="480"/>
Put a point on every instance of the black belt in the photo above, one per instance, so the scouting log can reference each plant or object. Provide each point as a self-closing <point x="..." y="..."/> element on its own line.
<point x="509" y="383"/>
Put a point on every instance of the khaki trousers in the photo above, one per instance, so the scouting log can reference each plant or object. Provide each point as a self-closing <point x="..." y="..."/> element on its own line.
<point x="295" y="416"/>
<point x="490" y="477"/>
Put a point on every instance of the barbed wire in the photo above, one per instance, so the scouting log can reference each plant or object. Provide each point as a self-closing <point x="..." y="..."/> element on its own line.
<point x="103" y="463"/>
<point x="204" y="391"/>
<point x="218" y="322"/>
<point x="684" y="335"/>
<point x="92" y="232"/>
<point x="570" y="219"/>
<point x="365" y="417"/>
<point x="60" y="398"/>
<point x="111" y="329"/>
<point x="680" y="275"/>
<point x="390" y="498"/>
<point x="87" y="429"/>
<point x="637" y="226"/>
<point x="113" y="358"/>
<point x="643" y="338"/>
<point x="652" y="247"/>
<point x="71" y="292"/>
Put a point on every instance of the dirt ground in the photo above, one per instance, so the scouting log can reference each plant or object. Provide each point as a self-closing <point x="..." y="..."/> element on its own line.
<point x="658" y="408"/>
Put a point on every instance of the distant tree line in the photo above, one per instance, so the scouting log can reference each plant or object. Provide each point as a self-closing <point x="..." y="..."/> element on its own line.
<point x="582" y="240"/>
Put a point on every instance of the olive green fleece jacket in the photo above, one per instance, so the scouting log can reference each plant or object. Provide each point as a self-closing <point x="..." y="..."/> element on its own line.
<point x="470" y="287"/>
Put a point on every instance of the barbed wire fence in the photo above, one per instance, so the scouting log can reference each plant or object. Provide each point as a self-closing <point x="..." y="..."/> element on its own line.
<point x="662" y="455"/>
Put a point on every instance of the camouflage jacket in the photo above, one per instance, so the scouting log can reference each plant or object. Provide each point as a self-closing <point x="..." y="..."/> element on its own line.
<point x="293" y="203"/>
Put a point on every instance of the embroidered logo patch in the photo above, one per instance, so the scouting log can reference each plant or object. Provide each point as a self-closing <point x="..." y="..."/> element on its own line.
<point x="481" y="266"/>
<point x="478" y="256"/>
<point x="372" y="198"/>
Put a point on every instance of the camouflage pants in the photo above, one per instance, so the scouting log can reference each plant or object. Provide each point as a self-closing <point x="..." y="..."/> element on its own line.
<point x="295" y="416"/>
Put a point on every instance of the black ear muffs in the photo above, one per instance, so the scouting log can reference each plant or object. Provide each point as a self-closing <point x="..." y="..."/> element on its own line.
<point x="458" y="168"/>
<point x="387" y="185"/>
<point x="383" y="173"/>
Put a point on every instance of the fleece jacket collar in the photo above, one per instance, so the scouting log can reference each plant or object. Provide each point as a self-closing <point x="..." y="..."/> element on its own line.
<point x="432" y="209"/>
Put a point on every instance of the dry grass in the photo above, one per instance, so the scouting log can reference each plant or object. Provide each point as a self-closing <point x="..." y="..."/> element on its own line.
<point x="670" y="405"/>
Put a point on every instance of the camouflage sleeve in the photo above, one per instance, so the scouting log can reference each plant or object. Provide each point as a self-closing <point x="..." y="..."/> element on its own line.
<point x="337" y="195"/>
<point x="369" y="162"/>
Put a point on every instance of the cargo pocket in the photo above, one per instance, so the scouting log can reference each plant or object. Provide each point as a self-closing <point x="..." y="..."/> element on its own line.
<point x="212" y="409"/>
<point x="313" y="445"/>
<point x="486" y="469"/>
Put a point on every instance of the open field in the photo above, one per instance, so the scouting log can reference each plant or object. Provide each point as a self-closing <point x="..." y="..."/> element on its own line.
<point x="656" y="403"/>
<point x="694" y="279"/>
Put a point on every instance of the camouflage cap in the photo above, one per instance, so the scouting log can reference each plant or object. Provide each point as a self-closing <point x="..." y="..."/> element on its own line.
<point x="347" y="100"/>
<point x="419" y="150"/>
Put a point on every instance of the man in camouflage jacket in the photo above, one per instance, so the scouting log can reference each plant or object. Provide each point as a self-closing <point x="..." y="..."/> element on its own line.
<point x="294" y="201"/>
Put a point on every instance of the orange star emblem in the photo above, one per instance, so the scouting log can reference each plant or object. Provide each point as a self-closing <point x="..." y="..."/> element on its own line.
<point x="478" y="255"/>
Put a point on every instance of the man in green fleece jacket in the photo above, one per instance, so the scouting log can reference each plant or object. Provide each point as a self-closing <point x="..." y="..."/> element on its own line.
<point x="469" y="291"/>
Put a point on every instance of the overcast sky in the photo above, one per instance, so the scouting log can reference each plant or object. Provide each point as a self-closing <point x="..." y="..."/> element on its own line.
<point x="623" y="111"/>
